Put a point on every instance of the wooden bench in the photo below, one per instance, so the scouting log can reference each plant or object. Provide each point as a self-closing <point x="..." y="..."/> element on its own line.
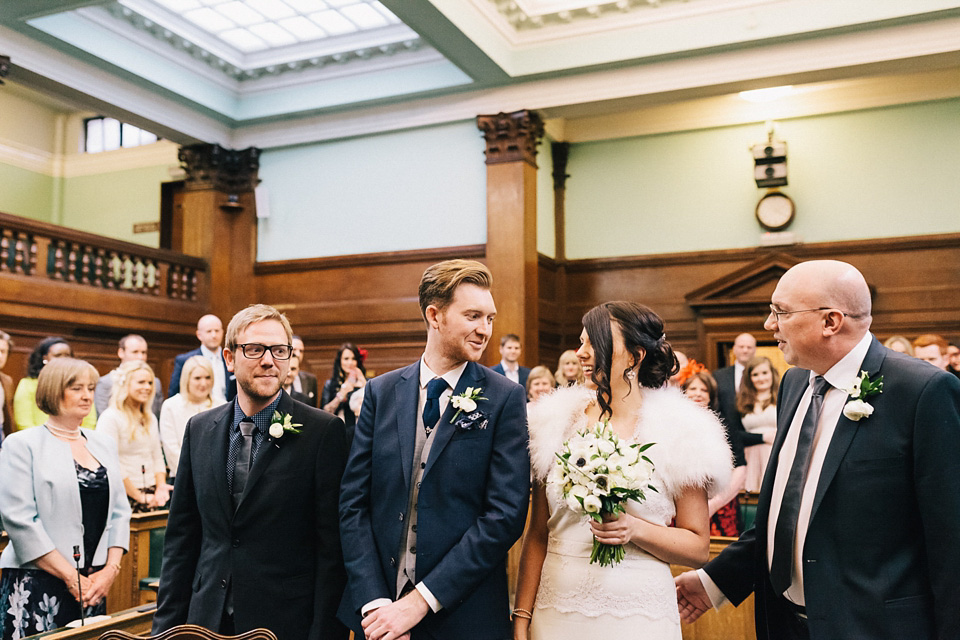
<point x="146" y="542"/>
<point x="137" y="620"/>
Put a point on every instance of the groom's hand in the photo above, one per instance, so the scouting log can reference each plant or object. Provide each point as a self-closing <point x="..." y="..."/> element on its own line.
<point x="393" y="621"/>
<point x="692" y="599"/>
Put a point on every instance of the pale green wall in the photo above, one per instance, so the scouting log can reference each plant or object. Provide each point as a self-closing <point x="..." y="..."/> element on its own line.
<point x="26" y="193"/>
<point x="417" y="189"/>
<point x="109" y="204"/>
<point x="545" y="216"/>
<point x="865" y="174"/>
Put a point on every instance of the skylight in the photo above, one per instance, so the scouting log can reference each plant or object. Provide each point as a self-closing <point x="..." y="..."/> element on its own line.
<point x="257" y="25"/>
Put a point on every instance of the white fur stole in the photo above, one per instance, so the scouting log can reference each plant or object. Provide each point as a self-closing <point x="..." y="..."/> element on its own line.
<point x="690" y="447"/>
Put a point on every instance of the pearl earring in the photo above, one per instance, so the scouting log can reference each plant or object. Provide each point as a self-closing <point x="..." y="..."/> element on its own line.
<point x="631" y="374"/>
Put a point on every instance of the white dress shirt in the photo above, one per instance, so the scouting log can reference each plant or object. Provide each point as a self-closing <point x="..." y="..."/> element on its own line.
<point x="219" y="391"/>
<point x="841" y="377"/>
<point x="511" y="371"/>
<point x="426" y="375"/>
<point x="738" y="370"/>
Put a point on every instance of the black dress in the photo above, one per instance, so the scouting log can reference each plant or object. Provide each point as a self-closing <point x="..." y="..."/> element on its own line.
<point x="32" y="600"/>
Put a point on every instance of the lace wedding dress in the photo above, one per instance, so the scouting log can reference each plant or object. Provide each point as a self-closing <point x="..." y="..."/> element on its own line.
<point x="636" y="598"/>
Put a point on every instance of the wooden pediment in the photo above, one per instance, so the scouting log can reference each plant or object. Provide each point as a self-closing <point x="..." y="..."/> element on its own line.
<point x="744" y="291"/>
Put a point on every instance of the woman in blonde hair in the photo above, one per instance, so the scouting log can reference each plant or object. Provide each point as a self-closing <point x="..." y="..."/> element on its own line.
<point x="131" y="423"/>
<point x="196" y="387"/>
<point x="569" y="372"/>
<point x="757" y="404"/>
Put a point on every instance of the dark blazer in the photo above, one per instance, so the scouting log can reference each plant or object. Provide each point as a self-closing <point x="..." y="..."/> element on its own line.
<point x="727" y="406"/>
<point x="280" y="550"/>
<point x="522" y="373"/>
<point x="178" y="361"/>
<point x="308" y="384"/>
<point x="880" y="558"/>
<point x="471" y="509"/>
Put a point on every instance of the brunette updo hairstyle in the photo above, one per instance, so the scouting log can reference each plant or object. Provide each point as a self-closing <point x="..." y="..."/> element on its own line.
<point x="643" y="337"/>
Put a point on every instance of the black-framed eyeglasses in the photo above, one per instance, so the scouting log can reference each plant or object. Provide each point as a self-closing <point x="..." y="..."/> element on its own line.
<point x="775" y="312"/>
<point x="254" y="351"/>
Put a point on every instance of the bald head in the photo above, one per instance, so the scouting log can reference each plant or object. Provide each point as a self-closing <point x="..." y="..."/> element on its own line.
<point x="744" y="348"/>
<point x="824" y="310"/>
<point x="210" y="331"/>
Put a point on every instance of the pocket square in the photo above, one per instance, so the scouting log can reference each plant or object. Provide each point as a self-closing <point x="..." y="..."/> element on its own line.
<point x="471" y="421"/>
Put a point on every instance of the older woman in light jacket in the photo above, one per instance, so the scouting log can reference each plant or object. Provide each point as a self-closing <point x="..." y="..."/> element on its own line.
<point x="62" y="494"/>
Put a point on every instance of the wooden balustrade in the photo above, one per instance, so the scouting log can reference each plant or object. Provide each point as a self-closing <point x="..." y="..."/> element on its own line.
<point x="89" y="260"/>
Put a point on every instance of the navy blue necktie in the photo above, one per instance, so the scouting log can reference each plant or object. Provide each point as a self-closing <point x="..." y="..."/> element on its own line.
<point x="784" y="538"/>
<point x="431" y="409"/>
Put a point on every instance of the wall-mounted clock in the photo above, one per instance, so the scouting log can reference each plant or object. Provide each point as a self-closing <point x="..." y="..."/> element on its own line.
<point x="775" y="211"/>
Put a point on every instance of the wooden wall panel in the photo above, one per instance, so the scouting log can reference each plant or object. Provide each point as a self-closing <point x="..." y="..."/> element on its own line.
<point x="370" y="300"/>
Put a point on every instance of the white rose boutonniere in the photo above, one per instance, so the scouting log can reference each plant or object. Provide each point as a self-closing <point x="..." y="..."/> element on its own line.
<point x="281" y="423"/>
<point x="466" y="401"/>
<point x="862" y="388"/>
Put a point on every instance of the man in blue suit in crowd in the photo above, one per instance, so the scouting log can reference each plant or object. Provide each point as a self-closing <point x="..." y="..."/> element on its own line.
<point x="510" y="360"/>
<point x="210" y="335"/>
<point x="437" y="483"/>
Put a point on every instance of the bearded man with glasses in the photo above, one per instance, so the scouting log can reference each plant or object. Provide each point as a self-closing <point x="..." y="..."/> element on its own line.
<point x="253" y="535"/>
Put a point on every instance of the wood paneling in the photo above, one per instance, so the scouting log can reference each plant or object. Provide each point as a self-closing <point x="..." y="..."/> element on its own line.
<point x="370" y="300"/>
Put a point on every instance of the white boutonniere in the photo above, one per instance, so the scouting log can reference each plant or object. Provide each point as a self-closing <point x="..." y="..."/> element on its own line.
<point x="281" y="423"/>
<point x="466" y="401"/>
<point x="861" y="389"/>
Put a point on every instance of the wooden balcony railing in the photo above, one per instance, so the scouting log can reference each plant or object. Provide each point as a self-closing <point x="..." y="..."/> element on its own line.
<point x="33" y="248"/>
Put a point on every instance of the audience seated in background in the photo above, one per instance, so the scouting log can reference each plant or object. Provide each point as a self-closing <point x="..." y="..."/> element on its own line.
<point x="305" y="382"/>
<point x="757" y="404"/>
<point x="210" y="335"/>
<point x="131" y="424"/>
<point x="569" y="372"/>
<point x="343" y="392"/>
<point x="724" y="508"/>
<point x="62" y="490"/>
<point x="6" y="388"/>
<point x="899" y="343"/>
<point x="132" y="347"/>
<point x="509" y="365"/>
<point x="26" y="413"/>
<point x="196" y="385"/>
<point x="931" y="348"/>
<point x="539" y="382"/>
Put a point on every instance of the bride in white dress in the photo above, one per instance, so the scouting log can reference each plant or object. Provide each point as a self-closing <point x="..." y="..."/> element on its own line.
<point x="626" y="360"/>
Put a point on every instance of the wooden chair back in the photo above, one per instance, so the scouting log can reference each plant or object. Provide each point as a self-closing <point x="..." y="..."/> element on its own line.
<point x="190" y="632"/>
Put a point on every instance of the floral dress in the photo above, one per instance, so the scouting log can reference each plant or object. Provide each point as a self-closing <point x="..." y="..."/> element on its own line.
<point x="33" y="601"/>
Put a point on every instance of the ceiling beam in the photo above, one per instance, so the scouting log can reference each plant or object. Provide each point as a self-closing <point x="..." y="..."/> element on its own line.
<point x="435" y="28"/>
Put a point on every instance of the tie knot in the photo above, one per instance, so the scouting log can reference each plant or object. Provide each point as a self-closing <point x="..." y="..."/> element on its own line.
<point x="435" y="388"/>
<point x="820" y="386"/>
<point x="247" y="428"/>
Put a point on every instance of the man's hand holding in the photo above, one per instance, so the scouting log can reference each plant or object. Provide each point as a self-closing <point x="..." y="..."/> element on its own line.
<point x="394" y="621"/>
<point x="692" y="599"/>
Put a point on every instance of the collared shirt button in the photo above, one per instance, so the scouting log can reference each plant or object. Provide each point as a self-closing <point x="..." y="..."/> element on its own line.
<point x="414" y="528"/>
<point x="413" y="550"/>
<point x="423" y="465"/>
<point x="418" y="485"/>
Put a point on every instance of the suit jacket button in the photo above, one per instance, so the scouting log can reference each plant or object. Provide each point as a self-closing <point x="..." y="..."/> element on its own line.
<point x="236" y="543"/>
<point x="223" y="584"/>
<point x="393" y="562"/>
<point x="401" y="516"/>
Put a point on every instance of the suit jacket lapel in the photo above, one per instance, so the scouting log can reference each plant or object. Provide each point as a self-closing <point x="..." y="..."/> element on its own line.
<point x="473" y="376"/>
<point x="789" y="401"/>
<point x="407" y="398"/>
<point x="220" y="433"/>
<point x="846" y="429"/>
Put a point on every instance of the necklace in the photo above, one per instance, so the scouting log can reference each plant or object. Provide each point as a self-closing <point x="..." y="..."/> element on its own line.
<point x="66" y="434"/>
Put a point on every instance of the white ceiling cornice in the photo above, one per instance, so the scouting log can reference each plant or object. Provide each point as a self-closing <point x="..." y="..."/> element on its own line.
<point x="839" y="56"/>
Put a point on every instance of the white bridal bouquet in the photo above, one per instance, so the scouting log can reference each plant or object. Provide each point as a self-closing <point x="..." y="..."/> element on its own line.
<point x="597" y="473"/>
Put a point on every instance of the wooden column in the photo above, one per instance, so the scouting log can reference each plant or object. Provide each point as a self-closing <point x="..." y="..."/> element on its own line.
<point x="560" y="152"/>
<point x="512" y="226"/>
<point x="215" y="219"/>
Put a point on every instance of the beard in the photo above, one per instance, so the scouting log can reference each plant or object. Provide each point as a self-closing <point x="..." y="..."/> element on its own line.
<point x="259" y="389"/>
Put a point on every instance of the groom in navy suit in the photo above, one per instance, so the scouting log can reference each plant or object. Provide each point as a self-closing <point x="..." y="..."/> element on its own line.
<point x="437" y="483"/>
<point x="859" y="512"/>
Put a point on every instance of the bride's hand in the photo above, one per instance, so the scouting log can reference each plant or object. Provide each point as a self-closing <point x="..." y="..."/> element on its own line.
<point x="619" y="529"/>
